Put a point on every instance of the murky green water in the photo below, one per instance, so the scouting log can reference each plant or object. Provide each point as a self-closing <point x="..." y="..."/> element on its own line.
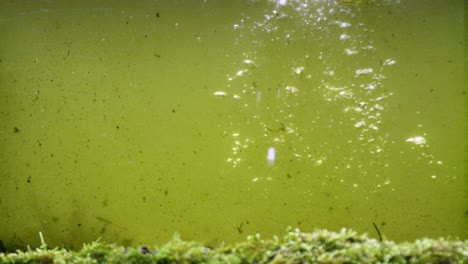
<point x="218" y="119"/>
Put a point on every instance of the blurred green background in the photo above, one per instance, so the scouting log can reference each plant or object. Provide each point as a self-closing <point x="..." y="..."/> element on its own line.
<point x="131" y="121"/>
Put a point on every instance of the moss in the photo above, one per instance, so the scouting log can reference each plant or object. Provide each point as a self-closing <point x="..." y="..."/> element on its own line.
<point x="353" y="2"/>
<point x="321" y="246"/>
<point x="357" y="2"/>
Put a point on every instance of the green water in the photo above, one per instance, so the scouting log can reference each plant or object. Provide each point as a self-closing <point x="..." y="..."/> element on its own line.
<point x="133" y="121"/>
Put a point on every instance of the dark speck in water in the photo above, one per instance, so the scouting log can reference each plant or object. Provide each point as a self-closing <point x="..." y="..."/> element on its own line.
<point x="239" y="228"/>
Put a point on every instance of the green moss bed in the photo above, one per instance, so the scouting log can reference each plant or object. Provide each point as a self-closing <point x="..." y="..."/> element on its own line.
<point x="321" y="246"/>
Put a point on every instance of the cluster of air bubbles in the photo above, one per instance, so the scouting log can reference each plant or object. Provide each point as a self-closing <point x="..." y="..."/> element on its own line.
<point x="356" y="86"/>
<point x="239" y="146"/>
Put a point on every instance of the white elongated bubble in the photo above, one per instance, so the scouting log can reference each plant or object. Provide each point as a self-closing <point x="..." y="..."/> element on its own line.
<point x="271" y="156"/>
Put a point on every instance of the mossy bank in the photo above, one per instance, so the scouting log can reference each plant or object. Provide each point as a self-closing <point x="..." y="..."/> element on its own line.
<point x="321" y="246"/>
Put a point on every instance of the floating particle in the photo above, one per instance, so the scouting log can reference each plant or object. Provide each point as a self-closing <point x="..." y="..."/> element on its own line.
<point x="364" y="71"/>
<point x="417" y="140"/>
<point x="219" y="93"/>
